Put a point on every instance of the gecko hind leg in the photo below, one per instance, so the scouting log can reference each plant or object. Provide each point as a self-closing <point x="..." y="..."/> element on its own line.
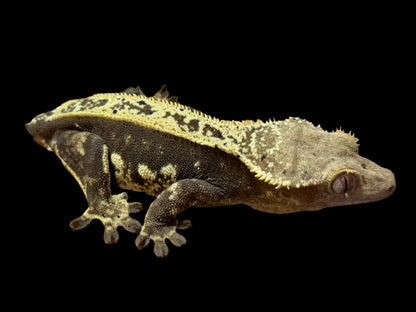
<point x="85" y="156"/>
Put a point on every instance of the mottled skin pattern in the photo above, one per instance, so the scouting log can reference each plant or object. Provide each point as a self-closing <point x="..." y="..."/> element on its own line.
<point x="188" y="159"/>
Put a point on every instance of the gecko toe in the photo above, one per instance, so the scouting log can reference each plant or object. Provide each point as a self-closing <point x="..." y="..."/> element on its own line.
<point x="158" y="234"/>
<point x="177" y="239"/>
<point x="183" y="224"/>
<point x="110" y="235"/>
<point x="132" y="225"/>
<point x="135" y="207"/>
<point x="80" y="223"/>
<point x="161" y="250"/>
<point x="142" y="241"/>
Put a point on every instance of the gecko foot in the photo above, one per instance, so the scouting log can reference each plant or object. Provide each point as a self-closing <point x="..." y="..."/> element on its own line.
<point x="113" y="213"/>
<point x="158" y="233"/>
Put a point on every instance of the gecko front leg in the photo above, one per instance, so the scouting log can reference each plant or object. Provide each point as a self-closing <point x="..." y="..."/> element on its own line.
<point x="85" y="156"/>
<point x="161" y="223"/>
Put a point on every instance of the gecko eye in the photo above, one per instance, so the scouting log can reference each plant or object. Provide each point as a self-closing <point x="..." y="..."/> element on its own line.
<point x="343" y="183"/>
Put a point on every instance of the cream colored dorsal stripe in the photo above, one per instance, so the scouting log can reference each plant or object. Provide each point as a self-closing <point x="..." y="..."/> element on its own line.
<point x="268" y="149"/>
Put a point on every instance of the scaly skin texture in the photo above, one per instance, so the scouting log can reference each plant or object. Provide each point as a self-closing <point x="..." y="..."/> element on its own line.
<point x="186" y="159"/>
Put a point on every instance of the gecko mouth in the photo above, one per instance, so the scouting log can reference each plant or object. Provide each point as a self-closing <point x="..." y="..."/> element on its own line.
<point x="384" y="186"/>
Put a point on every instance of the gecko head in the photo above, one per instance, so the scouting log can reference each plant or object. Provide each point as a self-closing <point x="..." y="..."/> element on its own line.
<point x="315" y="169"/>
<point x="353" y="179"/>
<point x="343" y="177"/>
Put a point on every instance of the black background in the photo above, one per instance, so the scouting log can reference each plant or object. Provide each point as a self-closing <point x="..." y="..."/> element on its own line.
<point x="337" y="70"/>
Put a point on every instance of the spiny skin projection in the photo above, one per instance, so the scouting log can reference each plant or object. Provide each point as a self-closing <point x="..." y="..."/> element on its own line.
<point x="186" y="158"/>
